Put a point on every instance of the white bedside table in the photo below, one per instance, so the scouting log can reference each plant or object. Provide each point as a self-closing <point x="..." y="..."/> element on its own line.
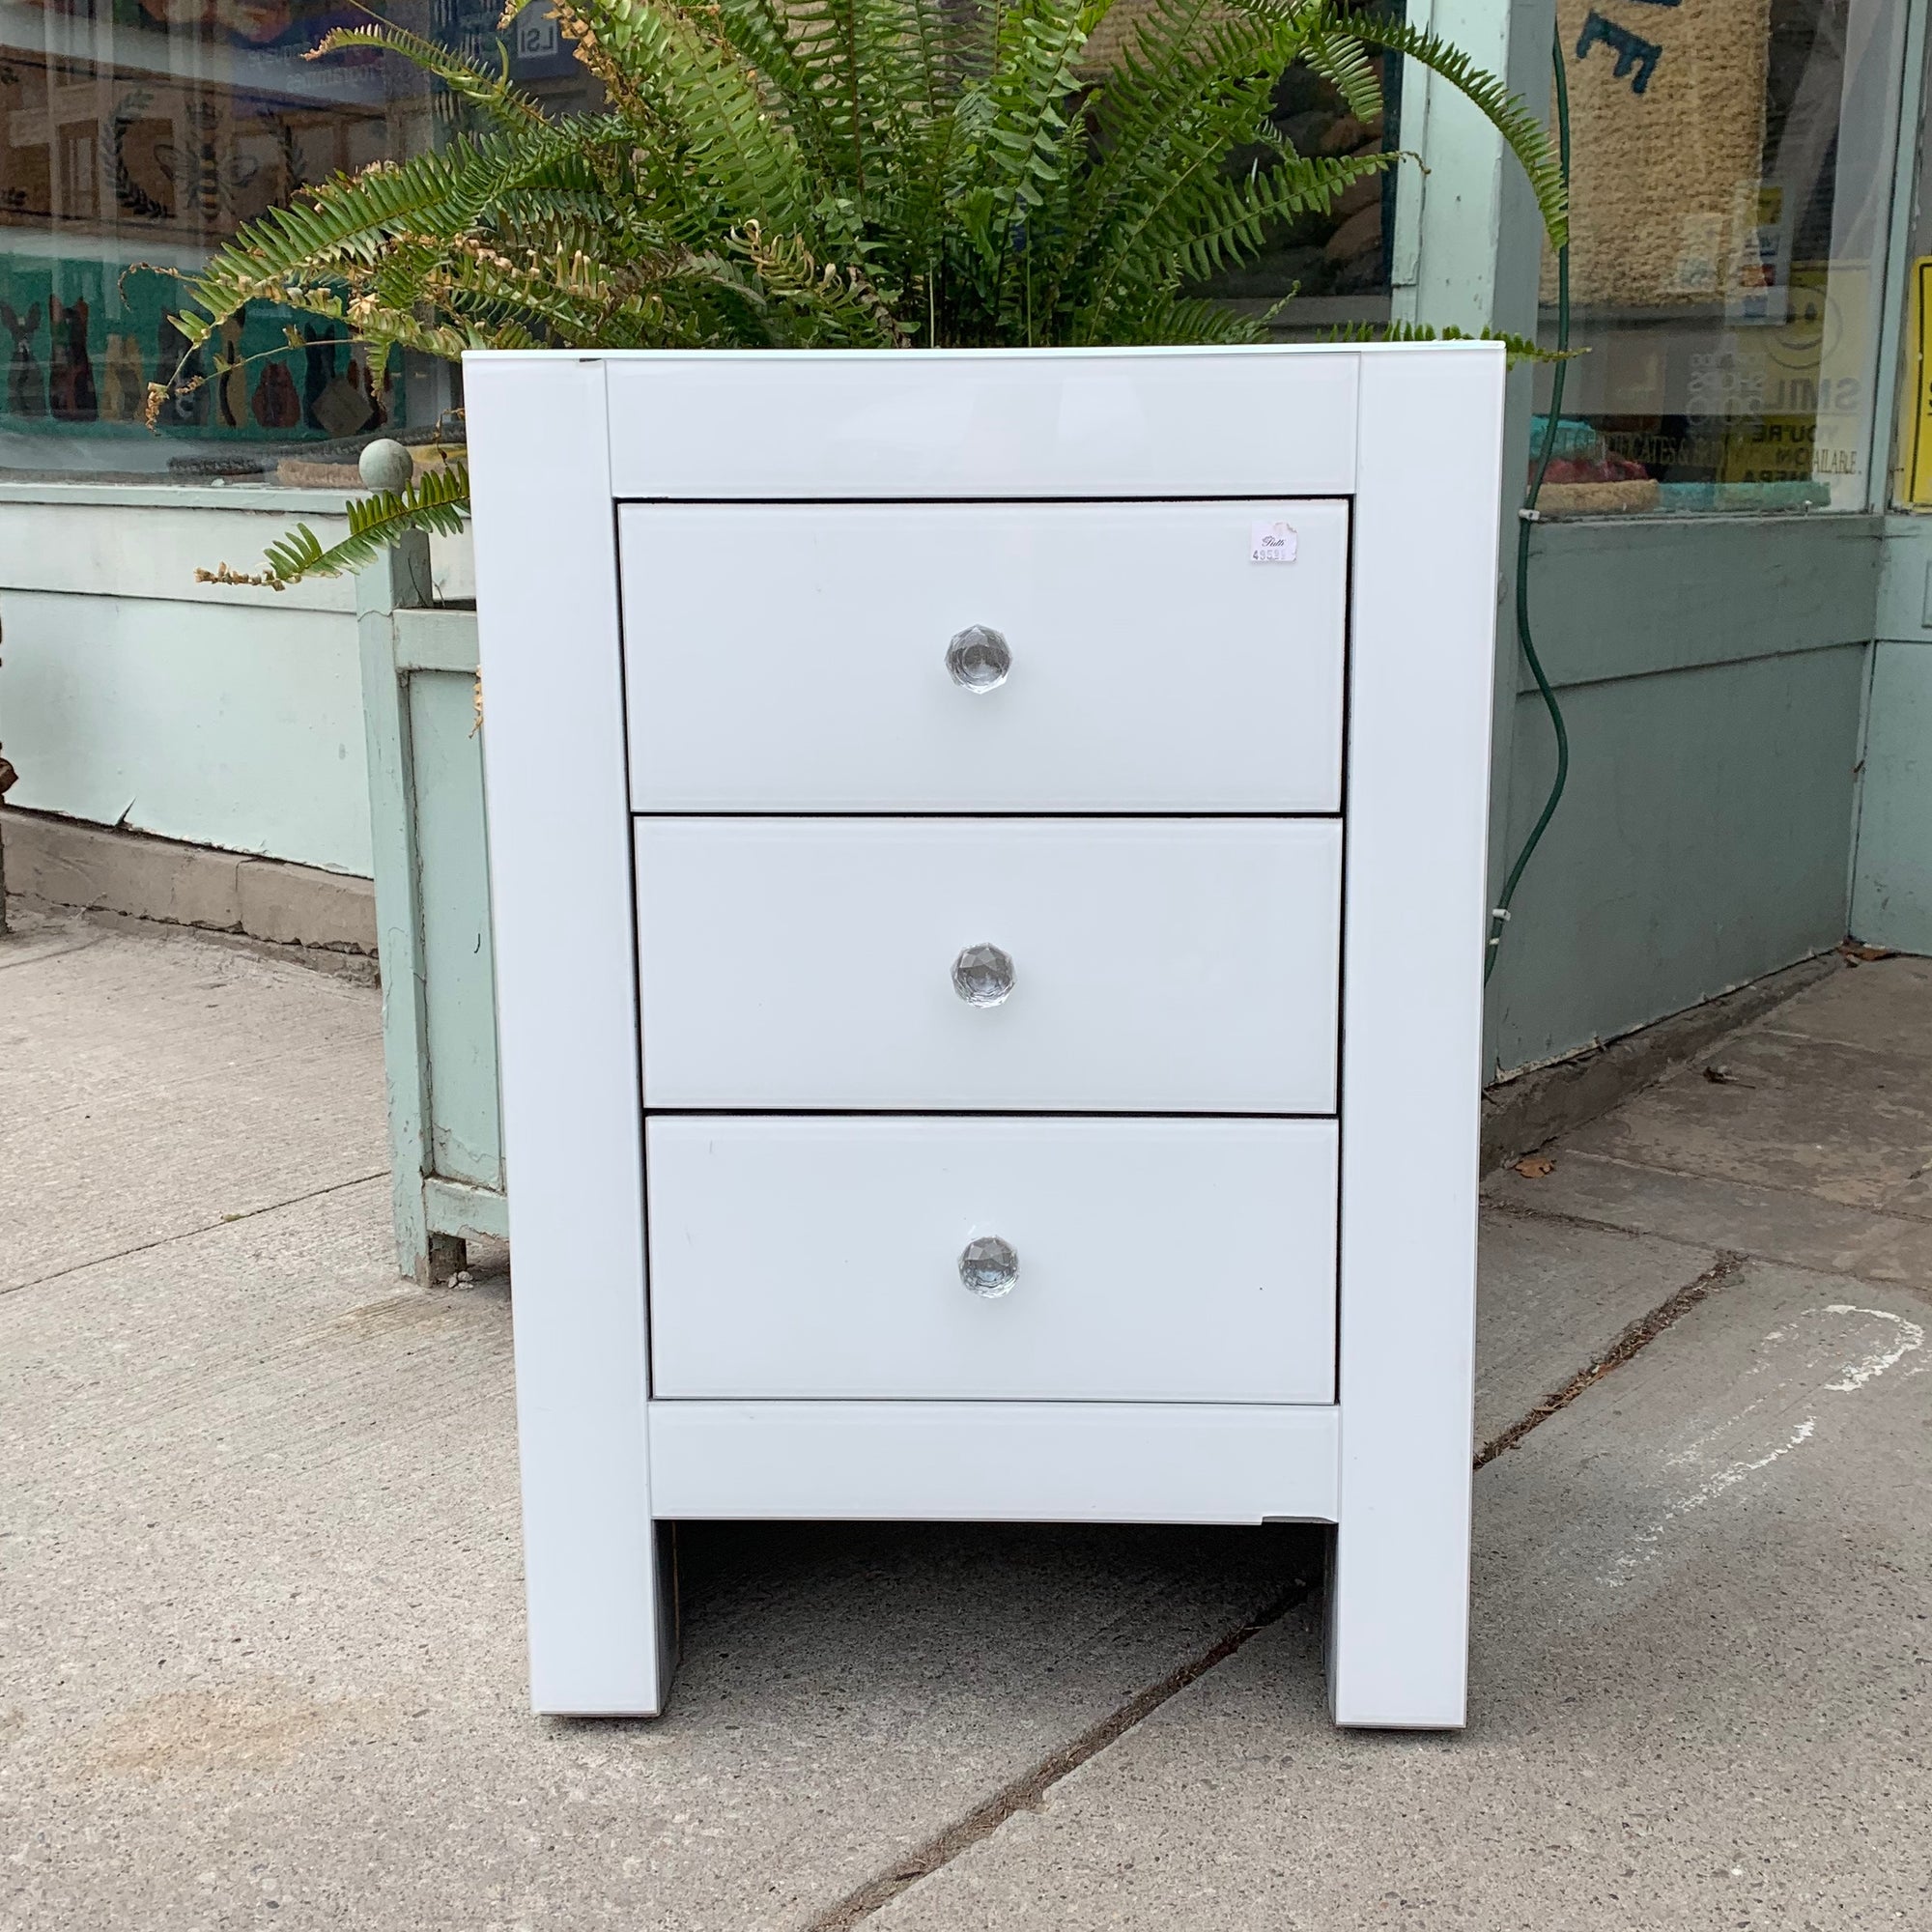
<point x="987" y="853"/>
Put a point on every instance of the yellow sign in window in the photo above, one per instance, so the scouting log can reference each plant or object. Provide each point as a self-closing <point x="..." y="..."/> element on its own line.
<point x="1915" y="470"/>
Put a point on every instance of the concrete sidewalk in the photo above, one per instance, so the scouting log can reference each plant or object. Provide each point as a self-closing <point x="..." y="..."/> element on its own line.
<point x="261" y="1629"/>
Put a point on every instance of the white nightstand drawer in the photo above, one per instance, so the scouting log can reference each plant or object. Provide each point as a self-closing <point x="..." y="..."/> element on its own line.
<point x="1157" y="965"/>
<point x="794" y="657"/>
<point x="1152" y="1261"/>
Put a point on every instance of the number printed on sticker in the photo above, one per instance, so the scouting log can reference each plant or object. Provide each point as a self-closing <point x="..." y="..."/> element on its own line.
<point x="1271" y="543"/>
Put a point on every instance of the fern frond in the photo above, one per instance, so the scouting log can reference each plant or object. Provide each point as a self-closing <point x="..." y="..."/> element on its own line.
<point x="1192" y="319"/>
<point x="436" y="501"/>
<point x="1190" y="87"/>
<point x="1234" y="219"/>
<point x="716" y="104"/>
<point x="1525" y="136"/>
<point x="291" y="254"/>
<point x="1517" y="348"/>
<point x="505" y="105"/>
<point x="1341" y="62"/>
<point x="832" y="308"/>
<point x="771" y="37"/>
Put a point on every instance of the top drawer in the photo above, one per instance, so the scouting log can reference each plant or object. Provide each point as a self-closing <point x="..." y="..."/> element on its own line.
<point x="794" y="657"/>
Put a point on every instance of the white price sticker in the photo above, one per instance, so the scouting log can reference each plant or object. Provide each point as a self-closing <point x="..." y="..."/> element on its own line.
<point x="1271" y="543"/>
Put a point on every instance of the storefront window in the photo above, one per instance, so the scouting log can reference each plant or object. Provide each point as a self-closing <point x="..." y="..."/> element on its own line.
<point x="1731" y="179"/>
<point x="138" y="135"/>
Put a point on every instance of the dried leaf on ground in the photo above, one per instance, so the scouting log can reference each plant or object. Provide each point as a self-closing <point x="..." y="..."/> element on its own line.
<point x="1534" y="1166"/>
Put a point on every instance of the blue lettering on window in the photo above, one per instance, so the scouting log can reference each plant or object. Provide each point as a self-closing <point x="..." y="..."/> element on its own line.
<point x="1635" y="57"/>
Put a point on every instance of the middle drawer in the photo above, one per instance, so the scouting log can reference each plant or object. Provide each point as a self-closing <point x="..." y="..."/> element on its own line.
<point x="1004" y="965"/>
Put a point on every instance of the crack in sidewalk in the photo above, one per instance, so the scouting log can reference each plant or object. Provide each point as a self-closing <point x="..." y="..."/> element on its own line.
<point x="1702" y="1179"/>
<point x="1638" y="1336"/>
<point x="1027" y="1791"/>
<point x="37" y="958"/>
<point x="1833" y="1271"/>
<point x="191" y="1233"/>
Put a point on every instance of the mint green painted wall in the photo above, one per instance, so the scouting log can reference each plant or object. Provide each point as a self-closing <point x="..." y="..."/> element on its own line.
<point x="1892" y="879"/>
<point x="216" y="714"/>
<point x="1892" y="894"/>
<point x="1702" y="844"/>
<point x="1712" y="673"/>
<point x="131" y="694"/>
<point x="217" y="725"/>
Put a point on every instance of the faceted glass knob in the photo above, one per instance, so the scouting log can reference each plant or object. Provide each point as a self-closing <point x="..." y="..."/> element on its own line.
<point x="989" y="1267"/>
<point x="977" y="658"/>
<point x="983" y="976"/>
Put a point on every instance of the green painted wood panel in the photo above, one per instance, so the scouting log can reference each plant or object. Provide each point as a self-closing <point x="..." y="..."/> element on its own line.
<point x="453" y="885"/>
<point x="1612" y="598"/>
<point x="391" y="830"/>
<point x="1892" y="882"/>
<point x="1703" y="843"/>
<point x="455" y="1208"/>
<point x="219" y="726"/>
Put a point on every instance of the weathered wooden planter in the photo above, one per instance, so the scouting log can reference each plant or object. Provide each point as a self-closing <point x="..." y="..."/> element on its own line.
<point x="432" y="911"/>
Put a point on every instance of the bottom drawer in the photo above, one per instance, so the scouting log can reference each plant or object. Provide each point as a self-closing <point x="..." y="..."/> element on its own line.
<point x="1153" y="1261"/>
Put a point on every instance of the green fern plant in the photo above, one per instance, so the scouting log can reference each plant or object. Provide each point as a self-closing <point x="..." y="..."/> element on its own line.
<point x="834" y="174"/>
<point x="436" y="501"/>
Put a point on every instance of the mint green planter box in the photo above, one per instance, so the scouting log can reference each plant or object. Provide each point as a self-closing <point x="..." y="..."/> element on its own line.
<point x="430" y="852"/>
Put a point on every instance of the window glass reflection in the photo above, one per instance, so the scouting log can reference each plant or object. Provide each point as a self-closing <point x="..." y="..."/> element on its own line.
<point x="1732" y="170"/>
<point x="139" y="134"/>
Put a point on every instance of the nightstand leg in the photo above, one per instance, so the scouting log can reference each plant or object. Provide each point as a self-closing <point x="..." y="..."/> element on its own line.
<point x="1398" y="1625"/>
<point x="604" y="1639"/>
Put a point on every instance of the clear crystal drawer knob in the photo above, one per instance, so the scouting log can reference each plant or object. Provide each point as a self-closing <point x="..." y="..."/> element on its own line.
<point x="989" y="1267"/>
<point x="983" y="976"/>
<point x="979" y="658"/>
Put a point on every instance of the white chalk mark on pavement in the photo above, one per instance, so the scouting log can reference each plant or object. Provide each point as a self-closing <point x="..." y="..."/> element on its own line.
<point x="1911" y="1336"/>
<point x="1796" y="1386"/>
